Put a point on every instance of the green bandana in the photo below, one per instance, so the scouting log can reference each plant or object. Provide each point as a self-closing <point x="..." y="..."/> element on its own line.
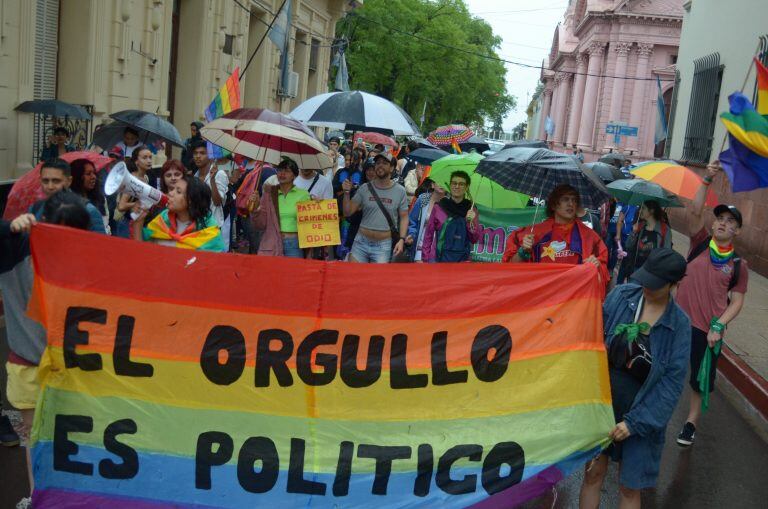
<point x="632" y="330"/>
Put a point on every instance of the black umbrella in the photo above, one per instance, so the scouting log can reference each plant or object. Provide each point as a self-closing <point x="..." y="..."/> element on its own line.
<point x="111" y="134"/>
<point x="427" y="155"/>
<point x="536" y="171"/>
<point x="147" y="123"/>
<point x="606" y="172"/>
<point x="423" y="143"/>
<point x="53" y="108"/>
<point x="613" y="158"/>
<point x="476" y="143"/>
<point x="526" y="143"/>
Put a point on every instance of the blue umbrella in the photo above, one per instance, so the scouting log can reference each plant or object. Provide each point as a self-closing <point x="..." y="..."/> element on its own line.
<point x="427" y="155"/>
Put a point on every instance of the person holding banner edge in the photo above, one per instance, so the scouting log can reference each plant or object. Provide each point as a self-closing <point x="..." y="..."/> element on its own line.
<point x="561" y="238"/>
<point x="647" y="337"/>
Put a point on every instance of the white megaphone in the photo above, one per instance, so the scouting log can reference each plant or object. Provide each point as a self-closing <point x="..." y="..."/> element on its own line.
<point x="121" y="180"/>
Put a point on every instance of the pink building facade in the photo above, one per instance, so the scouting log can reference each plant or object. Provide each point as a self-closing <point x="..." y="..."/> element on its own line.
<point x="602" y="70"/>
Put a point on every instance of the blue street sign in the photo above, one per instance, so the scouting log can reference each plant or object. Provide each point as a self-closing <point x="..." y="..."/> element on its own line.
<point x="617" y="138"/>
<point x="628" y="131"/>
<point x="610" y="128"/>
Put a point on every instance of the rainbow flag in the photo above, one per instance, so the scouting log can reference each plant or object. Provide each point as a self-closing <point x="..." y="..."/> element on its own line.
<point x="231" y="381"/>
<point x="456" y="147"/>
<point x="163" y="227"/>
<point x="762" y="87"/>
<point x="226" y="100"/>
<point x="745" y="162"/>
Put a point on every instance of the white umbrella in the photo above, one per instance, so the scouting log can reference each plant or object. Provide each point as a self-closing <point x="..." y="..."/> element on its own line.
<point x="356" y="111"/>
<point x="264" y="135"/>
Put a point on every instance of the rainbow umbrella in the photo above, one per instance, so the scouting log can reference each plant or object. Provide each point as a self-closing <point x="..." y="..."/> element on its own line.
<point x="449" y="134"/>
<point x="673" y="177"/>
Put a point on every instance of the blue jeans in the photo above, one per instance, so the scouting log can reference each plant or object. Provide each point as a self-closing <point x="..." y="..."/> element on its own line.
<point x="365" y="250"/>
<point x="291" y="248"/>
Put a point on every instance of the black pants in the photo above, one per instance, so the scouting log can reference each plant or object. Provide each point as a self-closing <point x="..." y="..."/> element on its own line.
<point x="699" y="347"/>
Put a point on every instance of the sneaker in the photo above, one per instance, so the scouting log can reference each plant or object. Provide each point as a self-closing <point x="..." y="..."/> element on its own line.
<point x="24" y="503"/>
<point x="686" y="436"/>
<point x="8" y="436"/>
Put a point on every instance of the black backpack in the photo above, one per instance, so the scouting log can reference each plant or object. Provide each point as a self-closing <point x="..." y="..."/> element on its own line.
<point x="703" y="246"/>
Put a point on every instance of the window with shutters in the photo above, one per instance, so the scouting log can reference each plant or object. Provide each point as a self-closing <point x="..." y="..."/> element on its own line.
<point x="46" y="60"/>
<point x="314" y="54"/>
<point x="702" y="109"/>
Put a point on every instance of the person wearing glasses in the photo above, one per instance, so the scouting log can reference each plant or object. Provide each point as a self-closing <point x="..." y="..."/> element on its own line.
<point x="453" y="225"/>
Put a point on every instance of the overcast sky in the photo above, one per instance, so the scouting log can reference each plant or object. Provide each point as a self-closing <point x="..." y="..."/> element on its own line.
<point x="526" y="28"/>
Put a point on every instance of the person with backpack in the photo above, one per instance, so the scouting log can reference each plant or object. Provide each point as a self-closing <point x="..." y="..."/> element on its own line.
<point x="453" y="225"/>
<point x="561" y="238"/>
<point x="650" y="232"/>
<point x="712" y="294"/>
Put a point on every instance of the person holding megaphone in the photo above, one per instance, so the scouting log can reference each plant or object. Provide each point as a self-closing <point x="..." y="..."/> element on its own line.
<point x="139" y="164"/>
<point x="187" y="221"/>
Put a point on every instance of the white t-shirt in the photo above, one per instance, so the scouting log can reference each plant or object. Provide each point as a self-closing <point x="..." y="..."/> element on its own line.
<point x="323" y="189"/>
<point x="222" y="185"/>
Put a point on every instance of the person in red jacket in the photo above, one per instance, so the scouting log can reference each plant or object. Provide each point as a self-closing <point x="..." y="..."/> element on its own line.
<point x="559" y="239"/>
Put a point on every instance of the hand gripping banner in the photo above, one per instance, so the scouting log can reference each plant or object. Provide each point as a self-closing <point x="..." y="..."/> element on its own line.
<point x="205" y="380"/>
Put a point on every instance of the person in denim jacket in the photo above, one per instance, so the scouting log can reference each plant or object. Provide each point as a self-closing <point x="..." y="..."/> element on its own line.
<point x="648" y="340"/>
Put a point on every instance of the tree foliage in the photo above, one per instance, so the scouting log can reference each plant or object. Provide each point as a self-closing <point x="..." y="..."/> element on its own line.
<point x="458" y="87"/>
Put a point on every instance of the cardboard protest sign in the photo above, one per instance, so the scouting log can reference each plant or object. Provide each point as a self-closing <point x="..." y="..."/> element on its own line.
<point x="318" y="223"/>
<point x="177" y="378"/>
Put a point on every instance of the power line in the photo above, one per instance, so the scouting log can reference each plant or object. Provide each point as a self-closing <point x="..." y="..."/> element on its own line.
<point x="492" y="57"/>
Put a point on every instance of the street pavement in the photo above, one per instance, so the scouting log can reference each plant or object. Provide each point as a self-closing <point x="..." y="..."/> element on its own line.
<point x="725" y="468"/>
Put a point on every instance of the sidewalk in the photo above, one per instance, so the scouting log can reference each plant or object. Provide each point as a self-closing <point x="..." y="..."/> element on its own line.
<point x="745" y="360"/>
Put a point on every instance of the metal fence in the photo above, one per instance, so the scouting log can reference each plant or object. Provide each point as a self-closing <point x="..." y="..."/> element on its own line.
<point x="42" y="130"/>
<point x="702" y="110"/>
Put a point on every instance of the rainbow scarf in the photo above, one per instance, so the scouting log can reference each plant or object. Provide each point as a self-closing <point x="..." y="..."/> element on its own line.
<point x="163" y="227"/>
<point x="720" y="255"/>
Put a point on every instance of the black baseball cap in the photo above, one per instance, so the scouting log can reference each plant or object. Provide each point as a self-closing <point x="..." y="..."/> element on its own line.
<point x="663" y="266"/>
<point x="731" y="210"/>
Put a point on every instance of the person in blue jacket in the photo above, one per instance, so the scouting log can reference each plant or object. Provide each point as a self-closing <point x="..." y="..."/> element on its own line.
<point x="648" y="340"/>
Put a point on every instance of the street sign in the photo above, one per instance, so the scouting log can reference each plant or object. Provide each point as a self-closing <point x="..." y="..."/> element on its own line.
<point x="610" y="129"/>
<point x="628" y="131"/>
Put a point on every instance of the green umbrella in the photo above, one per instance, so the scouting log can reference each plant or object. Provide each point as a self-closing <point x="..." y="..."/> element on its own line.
<point x="637" y="191"/>
<point x="483" y="190"/>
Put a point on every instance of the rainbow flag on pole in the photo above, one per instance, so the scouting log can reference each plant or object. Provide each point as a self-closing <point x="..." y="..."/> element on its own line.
<point x="192" y="379"/>
<point x="746" y="160"/>
<point x="762" y="87"/>
<point x="226" y="100"/>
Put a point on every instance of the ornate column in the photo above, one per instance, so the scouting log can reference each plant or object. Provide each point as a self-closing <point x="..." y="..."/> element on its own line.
<point x="639" y="94"/>
<point x="617" y="94"/>
<point x="547" y="102"/>
<point x="577" y="99"/>
<point x="587" y="125"/>
<point x="565" y="93"/>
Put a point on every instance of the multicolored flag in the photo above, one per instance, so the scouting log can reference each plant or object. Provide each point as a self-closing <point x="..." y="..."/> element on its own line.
<point x="230" y="388"/>
<point x="226" y="100"/>
<point x="762" y="87"/>
<point x="661" y="116"/>
<point x="746" y="161"/>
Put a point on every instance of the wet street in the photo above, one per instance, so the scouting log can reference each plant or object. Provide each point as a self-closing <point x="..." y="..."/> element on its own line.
<point x="728" y="466"/>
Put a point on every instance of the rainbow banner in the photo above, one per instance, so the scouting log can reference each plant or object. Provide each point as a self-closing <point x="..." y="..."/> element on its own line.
<point x="226" y="100"/>
<point x="195" y="379"/>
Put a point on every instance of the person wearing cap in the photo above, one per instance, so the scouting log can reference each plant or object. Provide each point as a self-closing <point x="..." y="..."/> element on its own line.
<point x="712" y="294"/>
<point x="380" y="237"/>
<point x="275" y="213"/>
<point x="58" y="146"/>
<point x="561" y="238"/>
<point x="647" y="337"/>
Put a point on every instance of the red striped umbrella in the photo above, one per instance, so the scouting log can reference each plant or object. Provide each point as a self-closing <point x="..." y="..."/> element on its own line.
<point x="264" y="135"/>
<point x="28" y="189"/>
<point x="375" y="138"/>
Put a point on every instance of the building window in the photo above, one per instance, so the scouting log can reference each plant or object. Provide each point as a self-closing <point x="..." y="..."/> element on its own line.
<point x="229" y="41"/>
<point x="314" y="54"/>
<point x="672" y="111"/>
<point x="702" y="109"/>
<point x="673" y="59"/>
